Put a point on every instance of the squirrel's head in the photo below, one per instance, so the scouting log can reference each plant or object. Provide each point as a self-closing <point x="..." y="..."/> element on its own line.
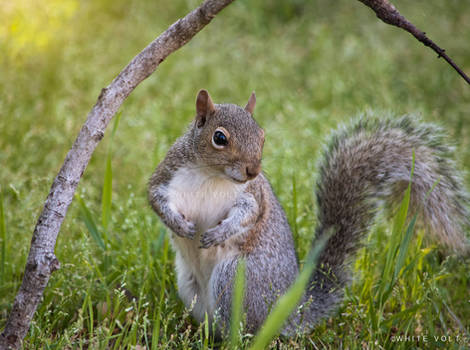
<point x="227" y="139"/>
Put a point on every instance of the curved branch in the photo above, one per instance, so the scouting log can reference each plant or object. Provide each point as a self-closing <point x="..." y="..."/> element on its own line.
<point x="41" y="259"/>
<point x="389" y="14"/>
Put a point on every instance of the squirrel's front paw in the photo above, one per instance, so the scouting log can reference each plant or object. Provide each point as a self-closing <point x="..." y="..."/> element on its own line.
<point x="185" y="228"/>
<point x="213" y="237"/>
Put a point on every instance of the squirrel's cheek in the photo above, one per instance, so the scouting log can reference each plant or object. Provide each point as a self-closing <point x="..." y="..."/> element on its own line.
<point x="235" y="174"/>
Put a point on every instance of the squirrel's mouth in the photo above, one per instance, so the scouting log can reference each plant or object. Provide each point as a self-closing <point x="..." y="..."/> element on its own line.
<point x="241" y="176"/>
<point x="238" y="181"/>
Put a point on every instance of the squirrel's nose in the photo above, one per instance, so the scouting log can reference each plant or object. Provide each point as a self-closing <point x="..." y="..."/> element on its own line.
<point x="253" y="170"/>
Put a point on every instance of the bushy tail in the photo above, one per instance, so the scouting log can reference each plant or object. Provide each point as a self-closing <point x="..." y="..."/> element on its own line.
<point x="368" y="163"/>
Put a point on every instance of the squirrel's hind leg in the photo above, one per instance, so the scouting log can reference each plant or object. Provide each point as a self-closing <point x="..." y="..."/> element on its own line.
<point x="189" y="290"/>
<point x="260" y="293"/>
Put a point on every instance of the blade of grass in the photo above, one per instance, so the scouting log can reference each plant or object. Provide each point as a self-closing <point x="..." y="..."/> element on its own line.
<point x="3" y="238"/>
<point x="295" y="227"/>
<point x="91" y="321"/>
<point x="90" y="223"/>
<point x="158" y="311"/>
<point x="237" y="304"/>
<point x="413" y="263"/>
<point x="206" y="331"/>
<point x="106" y="198"/>
<point x="388" y="278"/>
<point x="287" y="303"/>
<point x="405" y="243"/>
<point x="398" y="224"/>
<point x="373" y="314"/>
<point x="391" y="320"/>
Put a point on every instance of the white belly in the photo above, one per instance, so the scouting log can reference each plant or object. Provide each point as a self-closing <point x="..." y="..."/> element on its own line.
<point x="202" y="197"/>
<point x="205" y="199"/>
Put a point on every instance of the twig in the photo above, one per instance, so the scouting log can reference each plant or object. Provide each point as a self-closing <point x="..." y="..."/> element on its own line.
<point x="41" y="259"/>
<point x="389" y="14"/>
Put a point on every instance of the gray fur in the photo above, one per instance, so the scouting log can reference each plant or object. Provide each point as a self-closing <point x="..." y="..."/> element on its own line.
<point x="366" y="163"/>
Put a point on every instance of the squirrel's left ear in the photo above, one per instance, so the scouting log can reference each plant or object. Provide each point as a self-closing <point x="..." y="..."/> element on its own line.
<point x="250" y="106"/>
<point x="204" y="107"/>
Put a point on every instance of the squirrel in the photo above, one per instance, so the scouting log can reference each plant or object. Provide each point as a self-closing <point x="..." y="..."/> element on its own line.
<point x="211" y="193"/>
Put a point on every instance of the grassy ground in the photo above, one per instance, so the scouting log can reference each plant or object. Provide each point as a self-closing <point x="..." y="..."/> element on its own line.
<point x="313" y="65"/>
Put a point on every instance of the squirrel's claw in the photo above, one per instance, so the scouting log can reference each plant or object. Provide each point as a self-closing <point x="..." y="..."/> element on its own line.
<point x="185" y="228"/>
<point x="207" y="241"/>
<point x="212" y="237"/>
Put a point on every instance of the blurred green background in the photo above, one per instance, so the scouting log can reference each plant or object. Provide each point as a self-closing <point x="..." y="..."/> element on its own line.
<point x="313" y="65"/>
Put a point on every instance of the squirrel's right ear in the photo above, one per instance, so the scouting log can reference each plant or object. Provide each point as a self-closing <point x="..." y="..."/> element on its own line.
<point x="250" y="106"/>
<point x="204" y="107"/>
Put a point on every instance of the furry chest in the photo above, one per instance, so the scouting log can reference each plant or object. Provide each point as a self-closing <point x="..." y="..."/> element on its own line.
<point x="205" y="199"/>
<point x="202" y="197"/>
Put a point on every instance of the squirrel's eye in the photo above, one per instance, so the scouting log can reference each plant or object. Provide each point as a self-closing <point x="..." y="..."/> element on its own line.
<point x="219" y="139"/>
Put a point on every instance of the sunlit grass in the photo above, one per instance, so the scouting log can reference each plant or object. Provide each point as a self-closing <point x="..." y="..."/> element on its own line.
<point x="28" y="27"/>
<point x="313" y="65"/>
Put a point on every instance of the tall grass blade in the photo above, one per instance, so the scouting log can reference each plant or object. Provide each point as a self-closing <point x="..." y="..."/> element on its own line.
<point x="288" y="302"/>
<point x="106" y="198"/>
<point x="398" y="226"/>
<point x="295" y="227"/>
<point x="405" y="243"/>
<point x="90" y="223"/>
<point x="237" y="304"/>
<point x="399" y="262"/>
<point x="158" y="311"/>
<point x="373" y="314"/>
<point x="206" y="331"/>
<point x="90" y="321"/>
<point x="3" y="238"/>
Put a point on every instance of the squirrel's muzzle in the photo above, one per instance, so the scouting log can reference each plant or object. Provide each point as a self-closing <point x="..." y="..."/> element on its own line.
<point x="253" y="170"/>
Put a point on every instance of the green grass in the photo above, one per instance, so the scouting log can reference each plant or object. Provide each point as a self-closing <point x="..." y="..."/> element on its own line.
<point x="313" y="65"/>
<point x="236" y="321"/>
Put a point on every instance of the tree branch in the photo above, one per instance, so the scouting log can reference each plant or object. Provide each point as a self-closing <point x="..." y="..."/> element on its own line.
<point x="41" y="259"/>
<point x="389" y="14"/>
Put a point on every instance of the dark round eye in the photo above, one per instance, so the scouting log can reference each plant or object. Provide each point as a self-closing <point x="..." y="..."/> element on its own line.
<point x="219" y="138"/>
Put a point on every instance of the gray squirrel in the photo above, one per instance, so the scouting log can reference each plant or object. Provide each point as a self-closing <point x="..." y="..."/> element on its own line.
<point x="210" y="191"/>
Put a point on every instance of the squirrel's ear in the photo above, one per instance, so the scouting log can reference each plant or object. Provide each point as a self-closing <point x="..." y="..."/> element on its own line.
<point x="250" y="106"/>
<point x="204" y="107"/>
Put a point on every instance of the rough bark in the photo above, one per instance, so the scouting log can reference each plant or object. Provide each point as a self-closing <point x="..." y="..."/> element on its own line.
<point x="389" y="14"/>
<point x="41" y="260"/>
